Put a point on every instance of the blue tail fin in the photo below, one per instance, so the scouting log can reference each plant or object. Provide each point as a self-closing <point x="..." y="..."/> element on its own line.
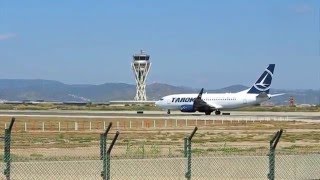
<point x="264" y="82"/>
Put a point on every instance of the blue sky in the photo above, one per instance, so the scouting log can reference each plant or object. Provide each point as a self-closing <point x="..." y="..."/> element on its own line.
<point x="210" y="44"/>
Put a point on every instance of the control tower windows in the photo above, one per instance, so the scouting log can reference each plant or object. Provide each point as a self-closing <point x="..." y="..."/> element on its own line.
<point x="137" y="58"/>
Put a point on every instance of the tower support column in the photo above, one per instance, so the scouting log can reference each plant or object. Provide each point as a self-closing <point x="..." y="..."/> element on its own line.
<point x="141" y="66"/>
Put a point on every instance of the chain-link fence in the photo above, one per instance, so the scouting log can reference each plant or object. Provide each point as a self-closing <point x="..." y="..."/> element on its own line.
<point x="161" y="154"/>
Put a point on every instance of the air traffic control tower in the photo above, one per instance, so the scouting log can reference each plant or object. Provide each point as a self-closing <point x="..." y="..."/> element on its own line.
<point x="141" y="66"/>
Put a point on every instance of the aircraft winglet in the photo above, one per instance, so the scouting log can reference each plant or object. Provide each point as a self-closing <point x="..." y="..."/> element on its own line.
<point x="200" y="94"/>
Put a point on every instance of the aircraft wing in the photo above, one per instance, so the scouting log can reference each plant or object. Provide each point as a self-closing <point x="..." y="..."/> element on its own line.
<point x="214" y="105"/>
<point x="200" y="105"/>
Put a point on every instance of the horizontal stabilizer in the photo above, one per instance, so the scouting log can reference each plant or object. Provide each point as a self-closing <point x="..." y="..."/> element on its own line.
<point x="274" y="95"/>
<point x="263" y="95"/>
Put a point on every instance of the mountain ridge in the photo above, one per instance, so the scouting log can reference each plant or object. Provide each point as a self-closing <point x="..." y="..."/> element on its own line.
<point x="51" y="90"/>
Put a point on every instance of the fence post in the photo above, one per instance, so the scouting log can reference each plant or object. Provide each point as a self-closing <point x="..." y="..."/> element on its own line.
<point x="189" y="152"/>
<point x="101" y="145"/>
<point x="273" y="144"/>
<point x="103" y="150"/>
<point x="7" y="154"/>
<point x="108" y="155"/>
<point x="185" y="149"/>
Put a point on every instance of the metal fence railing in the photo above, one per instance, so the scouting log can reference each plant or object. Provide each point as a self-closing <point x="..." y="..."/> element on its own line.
<point x="82" y="155"/>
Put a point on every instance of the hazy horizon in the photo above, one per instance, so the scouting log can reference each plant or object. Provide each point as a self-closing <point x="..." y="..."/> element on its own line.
<point x="186" y="86"/>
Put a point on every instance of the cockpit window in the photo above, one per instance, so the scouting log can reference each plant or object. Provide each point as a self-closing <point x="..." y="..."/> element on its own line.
<point x="161" y="99"/>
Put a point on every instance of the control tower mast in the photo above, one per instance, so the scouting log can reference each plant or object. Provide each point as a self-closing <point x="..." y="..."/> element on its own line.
<point x="141" y="66"/>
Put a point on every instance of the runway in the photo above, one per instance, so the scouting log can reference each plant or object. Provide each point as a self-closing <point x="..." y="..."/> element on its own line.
<point x="239" y="115"/>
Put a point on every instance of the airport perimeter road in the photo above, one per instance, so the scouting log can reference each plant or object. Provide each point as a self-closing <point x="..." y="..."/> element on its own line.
<point x="235" y="115"/>
<point x="233" y="167"/>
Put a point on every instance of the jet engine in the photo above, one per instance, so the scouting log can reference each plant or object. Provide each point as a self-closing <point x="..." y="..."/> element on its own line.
<point x="187" y="108"/>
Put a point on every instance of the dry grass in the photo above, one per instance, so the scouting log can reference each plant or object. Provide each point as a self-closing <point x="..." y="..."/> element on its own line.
<point x="143" y="140"/>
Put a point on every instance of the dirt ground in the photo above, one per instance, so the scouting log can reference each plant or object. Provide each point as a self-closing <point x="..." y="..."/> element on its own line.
<point x="74" y="138"/>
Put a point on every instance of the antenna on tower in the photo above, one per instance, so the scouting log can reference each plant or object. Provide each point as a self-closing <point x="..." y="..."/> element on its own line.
<point x="141" y="66"/>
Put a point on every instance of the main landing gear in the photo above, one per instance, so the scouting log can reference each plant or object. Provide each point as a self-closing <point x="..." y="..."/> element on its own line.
<point x="168" y="111"/>
<point x="207" y="112"/>
<point x="218" y="112"/>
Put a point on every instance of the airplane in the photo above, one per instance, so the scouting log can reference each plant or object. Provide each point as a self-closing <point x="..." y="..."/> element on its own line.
<point x="209" y="102"/>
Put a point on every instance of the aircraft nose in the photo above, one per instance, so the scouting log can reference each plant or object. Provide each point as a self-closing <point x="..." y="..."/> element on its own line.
<point x="159" y="103"/>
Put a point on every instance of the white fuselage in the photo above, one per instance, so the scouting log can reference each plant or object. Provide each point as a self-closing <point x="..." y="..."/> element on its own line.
<point x="219" y="101"/>
<point x="210" y="102"/>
